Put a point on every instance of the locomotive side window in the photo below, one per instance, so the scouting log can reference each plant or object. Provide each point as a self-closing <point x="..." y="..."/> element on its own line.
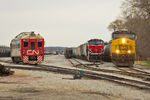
<point x="39" y="44"/>
<point x="32" y="45"/>
<point x="25" y="44"/>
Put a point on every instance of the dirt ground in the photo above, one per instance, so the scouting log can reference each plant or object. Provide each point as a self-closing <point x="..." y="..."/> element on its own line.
<point x="40" y="85"/>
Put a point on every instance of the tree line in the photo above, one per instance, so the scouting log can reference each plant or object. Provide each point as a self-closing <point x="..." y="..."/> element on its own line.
<point x="135" y="17"/>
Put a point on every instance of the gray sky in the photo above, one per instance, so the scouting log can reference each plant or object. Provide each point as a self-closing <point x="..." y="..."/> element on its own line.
<point x="60" y="22"/>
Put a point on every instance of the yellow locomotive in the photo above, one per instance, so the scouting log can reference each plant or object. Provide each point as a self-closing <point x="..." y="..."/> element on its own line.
<point x="123" y="48"/>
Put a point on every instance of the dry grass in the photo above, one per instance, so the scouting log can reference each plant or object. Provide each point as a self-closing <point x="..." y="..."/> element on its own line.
<point x="21" y="74"/>
<point x="140" y="63"/>
<point x="143" y="63"/>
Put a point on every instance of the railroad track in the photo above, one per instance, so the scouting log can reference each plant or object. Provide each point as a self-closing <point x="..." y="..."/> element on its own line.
<point x="89" y="74"/>
<point x="144" y="76"/>
<point x="129" y="69"/>
<point x="123" y="71"/>
<point x="79" y="63"/>
<point x="136" y="72"/>
<point x="116" y="79"/>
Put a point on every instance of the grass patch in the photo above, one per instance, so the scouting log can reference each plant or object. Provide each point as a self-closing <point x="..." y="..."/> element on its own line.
<point x="143" y="63"/>
<point x="147" y="63"/>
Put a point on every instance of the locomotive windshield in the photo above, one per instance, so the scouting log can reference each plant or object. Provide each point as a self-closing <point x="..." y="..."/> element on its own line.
<point x="39" y="44"/>
<point x="96" y="42"/>
<point x="25" y="44"/>
<point x="123" y="34"/>
<point x="32" y="45"/>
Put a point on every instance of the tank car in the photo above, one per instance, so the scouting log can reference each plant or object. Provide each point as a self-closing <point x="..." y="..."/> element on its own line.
<point x="123" y="48"/>
<point x="107" y="52"/>
<point x="92" y="50"/>
<point x="27" y="47"/>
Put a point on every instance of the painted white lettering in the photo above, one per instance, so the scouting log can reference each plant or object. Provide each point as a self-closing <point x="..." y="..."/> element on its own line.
<point x="31" y="52"/>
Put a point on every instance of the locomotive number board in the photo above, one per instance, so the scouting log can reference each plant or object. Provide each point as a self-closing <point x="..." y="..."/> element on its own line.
<point x="123" y="47"/>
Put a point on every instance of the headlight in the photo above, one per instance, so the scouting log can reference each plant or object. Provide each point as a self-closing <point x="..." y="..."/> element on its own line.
<point x="123" y="40"/>
<point x="129" y="51"/>
<point x="117" y="51"/>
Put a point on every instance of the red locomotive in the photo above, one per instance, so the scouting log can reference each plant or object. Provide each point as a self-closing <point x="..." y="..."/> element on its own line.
<point x="93" y="50"/>
<point x="27" y="47"/>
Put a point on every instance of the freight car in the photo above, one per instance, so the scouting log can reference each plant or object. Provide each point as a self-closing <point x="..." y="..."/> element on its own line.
<point x="27" y="47"/>
<point x="68" y="53"/>
<point x="123" y="48"/>
<point x="4" y="51"/>
<point x="92" y="50"/>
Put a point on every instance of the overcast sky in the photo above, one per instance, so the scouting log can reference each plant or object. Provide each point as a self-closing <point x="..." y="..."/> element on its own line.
<point x="61" y="22"/>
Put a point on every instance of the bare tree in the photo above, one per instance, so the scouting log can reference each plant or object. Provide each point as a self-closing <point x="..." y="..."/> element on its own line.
<point x="136" y="17"/>
<point x="116" y="25"/>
